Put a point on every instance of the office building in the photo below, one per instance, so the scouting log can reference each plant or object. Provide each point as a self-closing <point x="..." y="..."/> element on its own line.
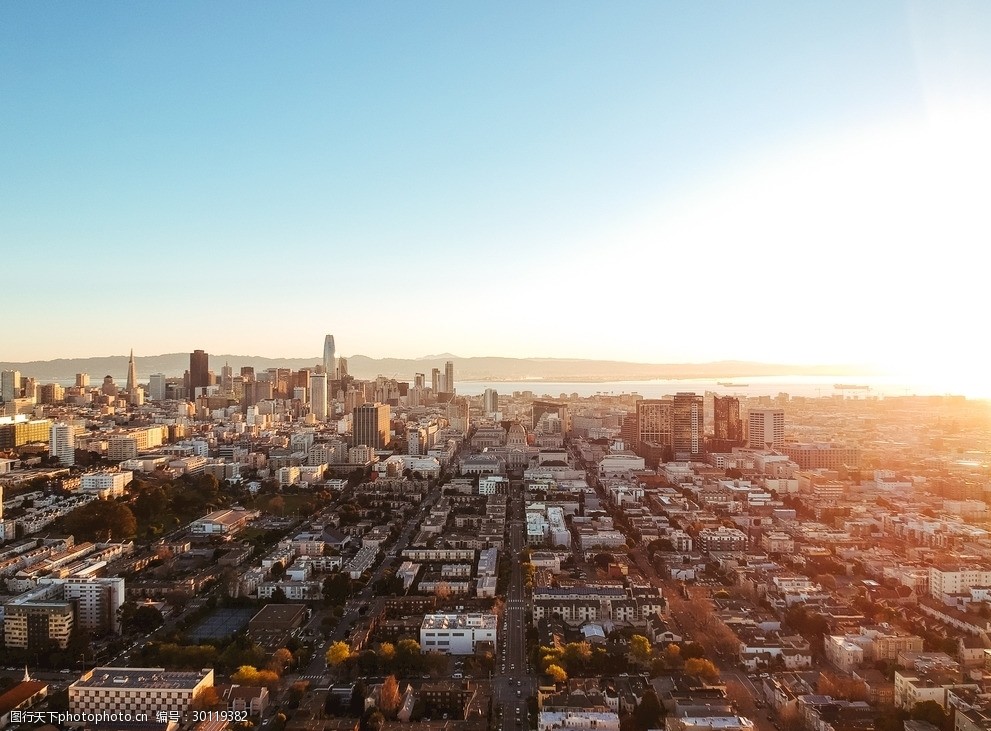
<point x="419" y="380"/>
<point x="10" y="385"/>
<point x="329" y="357"/>
<point x="654" y="422"/>
<point x="371" y="425"/>
<point x="199" y="372"/>
<point x="457" y="634"/>
<point x="132" y="375"/>
<point x="687" y="426"/>
<point x="145" y="691"/>
<point x="82" y="380"/>
<point x="449" y="377"/>
<point x="727" y="424"/>
<point x="766" y="428"/>
<point x="62" y="444"/>
<point x="490" y="401"/>
<point x="435" y="380"/>
<point x="156" y="386"/>
<point x="318" y="396"/>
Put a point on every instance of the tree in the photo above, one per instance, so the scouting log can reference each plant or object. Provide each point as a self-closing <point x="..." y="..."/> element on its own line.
<point x="640" y="649"/>
<point x="387" y="654"/>
<point x="146" y="618"/>
<point x="557" y="673"/>
<point x="207" y="699"/>
<point x="692" y="650"/>
<point x="372" y="720"/>
<point x="246" y="675"/>
<point x="930" y="711"/>
<point x="338" y="653"/>
<point x="281" y="660"/>
<point x="576" y="655"/>
<point x="389" y="697"/>
<point x="672" y="655"/>
<point x="648" y="712"/>
<point x="702" y="669"/>
<point x="101" y="520"/>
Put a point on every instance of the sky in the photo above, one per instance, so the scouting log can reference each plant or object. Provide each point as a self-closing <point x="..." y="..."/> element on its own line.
<point x="646" y="181"/>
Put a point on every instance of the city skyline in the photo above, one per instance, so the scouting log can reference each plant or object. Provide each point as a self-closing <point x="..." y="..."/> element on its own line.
<point x="796" y="167"/>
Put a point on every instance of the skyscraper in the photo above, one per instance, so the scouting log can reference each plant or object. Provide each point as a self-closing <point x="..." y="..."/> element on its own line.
<point x="199" y="372"/>
<point x="490" y="401"/>
<point x="156" y="386"/>
<point x="10" y="385"/>
<point x="227" y="379"/>
<point x="329" y="357"/>
<point x="449" y="377"/>
<point x="654" y="422"/>
<point x="727" y="425"/>
<point x="371" y="425"/>
<point x="132" y="374"/>
<point x="318" y="396"/>
<point x="82" y="380"/>
<point x="419" y="380"/>
<point x="766" y="428"/>
<point x="688" y="427"/>
<point x="62" y="444"/>
<point x="435" y="380"/>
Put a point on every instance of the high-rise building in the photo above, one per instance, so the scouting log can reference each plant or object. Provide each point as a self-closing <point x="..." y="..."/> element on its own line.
<point x="419" y="380"/>
<point x="156" y="386"/>
<point x="329" y="357"/>
<point x="449" y="377"/>
<point x="727" y="424"/>
<point x="62" y="444"/>
<point x="371" y="425"/>
<point x="248" y="373"/>
<point x="109" y="388"/>
<point x="132" y="374"/>
<point x="435" y="380"/>
<point x="654" y="422"/>
<point x="10" y="385"/>
<point x="318" y="396"/>
<point x="688" y="425"/>
<point x="766" y="428"/>
<point x="82" y="380"/>
<point x="199" y="372"/>
<point x="490" y="401"/>
<point x="342" y="368"/>
<point x="227" y="379"/>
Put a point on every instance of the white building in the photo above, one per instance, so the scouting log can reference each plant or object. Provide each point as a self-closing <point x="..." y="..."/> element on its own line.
<point x="766" y="428"/>
<point x="106" y="484"/>
<point x="457" y="634"/>
<point x="62" y="444"/>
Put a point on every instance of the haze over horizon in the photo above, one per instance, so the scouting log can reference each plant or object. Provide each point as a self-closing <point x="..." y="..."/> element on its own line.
<point x="666" y="184"/>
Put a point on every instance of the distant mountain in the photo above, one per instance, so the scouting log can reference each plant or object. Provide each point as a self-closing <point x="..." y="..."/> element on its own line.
<point x="466" y="369"/>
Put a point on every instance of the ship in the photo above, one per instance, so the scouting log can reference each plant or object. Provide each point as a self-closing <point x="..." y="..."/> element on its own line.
<point x="851" y="387"/>
<point x="732" y="385"/>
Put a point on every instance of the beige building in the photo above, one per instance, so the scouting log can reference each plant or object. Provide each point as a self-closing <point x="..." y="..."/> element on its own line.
<point x="137" y="690"/>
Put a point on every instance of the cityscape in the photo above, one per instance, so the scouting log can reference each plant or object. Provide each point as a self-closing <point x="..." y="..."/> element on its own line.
<point x="495" y="366"/>
<point x="303" y="549"/>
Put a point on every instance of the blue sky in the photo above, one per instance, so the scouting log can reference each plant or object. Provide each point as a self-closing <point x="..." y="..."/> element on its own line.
<point x="524" y="179"/>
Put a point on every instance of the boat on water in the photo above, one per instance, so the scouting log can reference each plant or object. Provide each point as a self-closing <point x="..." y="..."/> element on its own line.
<point x="851" y="387"/>
<point x="732" y="385"/>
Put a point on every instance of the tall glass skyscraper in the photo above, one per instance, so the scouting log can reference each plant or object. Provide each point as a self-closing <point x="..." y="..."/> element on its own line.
<point x="329" y="361"/>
